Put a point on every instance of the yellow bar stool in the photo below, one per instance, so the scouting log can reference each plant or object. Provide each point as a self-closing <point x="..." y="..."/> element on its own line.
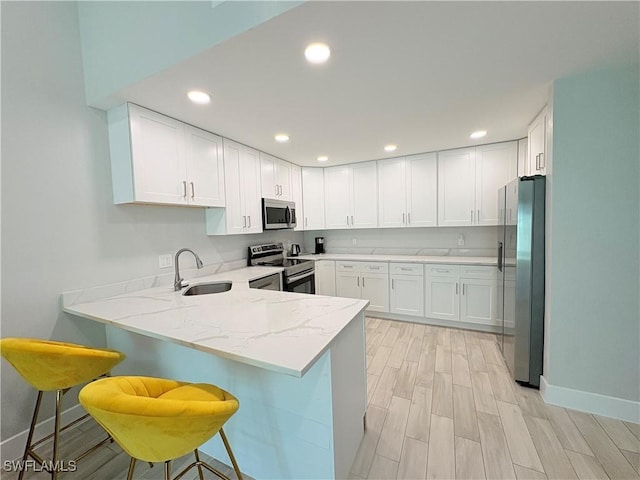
<point x="55" y="366"/>
<point x="159" y="420"/>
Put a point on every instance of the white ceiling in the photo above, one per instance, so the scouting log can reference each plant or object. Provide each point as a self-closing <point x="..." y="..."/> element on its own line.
<point x="422" y="75"/>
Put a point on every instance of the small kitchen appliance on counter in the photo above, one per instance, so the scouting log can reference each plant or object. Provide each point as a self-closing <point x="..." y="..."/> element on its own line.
<point x="295" y="250"/>
<point x="319" y="245"/>
<point x="298" y="275"/>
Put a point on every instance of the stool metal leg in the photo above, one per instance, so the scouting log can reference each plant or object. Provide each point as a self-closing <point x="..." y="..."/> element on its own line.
<point x="167" y="470"/>
<point x="200" y="474"/>
<point x="56" y="435"/>
<point x="132" y="467"/>
<point x="32" y="428"/>
<point x="233" y="459"/>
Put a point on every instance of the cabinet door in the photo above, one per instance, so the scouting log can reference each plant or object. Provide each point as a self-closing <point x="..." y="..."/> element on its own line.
<point x="456" y="182"/>
<point x="364" y="196"/>
<point x="296" y="195"/>
<point x="252" y="198"/>
<point x="392" y="204"/>
<point x="268" y="165"/>
<point x="477" y="304"/>
<point x="235" y="216"/>
<point x="441" y="298"/>
<point x="337" y="211"/>
<point x="495" y="167"/>
<point x="422" y="190"/>
<point x="205" y="170"/>
<point x="407" y="295"/>
<point x="348" y="285"/>
<point x="157" y="146"/>
<point x="537" y="152"/>
<point x="313" y="198"/>
<point x="523" y="147"/>
<point x="284" y="179"/>
<point x="326" y="277"/>
<point x="375" y="288"/>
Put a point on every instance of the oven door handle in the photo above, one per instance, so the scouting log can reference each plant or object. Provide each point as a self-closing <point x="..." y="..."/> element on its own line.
<point x="300" y="277"/>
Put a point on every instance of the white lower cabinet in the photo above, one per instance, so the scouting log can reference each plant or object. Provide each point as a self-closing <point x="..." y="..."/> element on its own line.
<point x="461" y="293"/>
<point x="406" y="296"/>
<point x="365" y="280"/>
<point x="325" y="277"/>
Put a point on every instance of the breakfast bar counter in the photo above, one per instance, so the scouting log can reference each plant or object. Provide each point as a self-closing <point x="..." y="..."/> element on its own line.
<point x="296" y="363"/>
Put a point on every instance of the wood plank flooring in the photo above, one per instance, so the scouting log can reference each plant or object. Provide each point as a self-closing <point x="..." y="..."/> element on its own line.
<point x="464" y="417"/>
<point x="441" y="405"/>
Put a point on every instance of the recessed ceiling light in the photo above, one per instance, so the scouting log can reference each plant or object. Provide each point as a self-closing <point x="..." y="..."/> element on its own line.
<point x="282" y="138"/>
<point x="317" y="52"/>
<point x="390" y="148"/>
<point x="323" y="158"/>
<point x="478" y="134"/>
<point x="196" y="96"/>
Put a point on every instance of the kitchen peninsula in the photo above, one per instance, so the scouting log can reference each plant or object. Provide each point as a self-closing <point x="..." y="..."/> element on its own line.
<point x="296" y="363"/>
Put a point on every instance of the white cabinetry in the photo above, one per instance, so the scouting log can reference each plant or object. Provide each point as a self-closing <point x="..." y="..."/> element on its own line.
<point x="461" y="292"/>
<point x="407" y="191"/>
<point x="351" y="196"/>
<point x="325" y="277"/>
<point x="276" y="178"/>
<point x="313" y="198"/>
<point x="537" y="161"/>
<point x="242" y="184"/>
<point x="468" y="182"/>
<point x="157" y="159"/>
<point x="407" y="289"/>
<point x="366" y="280"/>
<point x="296" y="195"/>
<point x="523" y="162"/>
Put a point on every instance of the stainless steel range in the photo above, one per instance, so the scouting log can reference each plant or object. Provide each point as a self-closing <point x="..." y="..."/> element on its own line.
<point x="298" y="275"/>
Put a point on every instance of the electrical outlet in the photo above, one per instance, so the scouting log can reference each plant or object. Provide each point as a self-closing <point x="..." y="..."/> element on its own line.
<point x="461" y="240"/>
<point x="354" y="241"/>
<point x="164" y="261"/>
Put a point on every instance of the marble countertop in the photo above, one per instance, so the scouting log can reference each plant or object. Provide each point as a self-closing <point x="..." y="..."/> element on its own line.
<point x="279" y="331"/>
<point x="490" y="261"/>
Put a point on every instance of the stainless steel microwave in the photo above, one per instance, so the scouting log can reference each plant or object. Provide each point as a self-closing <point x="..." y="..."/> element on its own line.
<point x="277" y="214"/>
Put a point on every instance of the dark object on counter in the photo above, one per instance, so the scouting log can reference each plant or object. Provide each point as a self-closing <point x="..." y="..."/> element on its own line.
<point x="295" y="250"/>
<point x="319" y="245"/>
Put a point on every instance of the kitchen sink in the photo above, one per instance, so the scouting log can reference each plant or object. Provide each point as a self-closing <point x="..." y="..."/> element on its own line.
<point x="207" y="288"/>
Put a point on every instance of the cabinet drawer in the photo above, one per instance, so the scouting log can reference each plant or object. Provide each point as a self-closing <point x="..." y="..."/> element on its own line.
<point x="348" y="266"/>
<point x="477" y="271"/>
<point x="378" y="267"/>
<point x="434" y="270"/>
<point x="407" y="268"/>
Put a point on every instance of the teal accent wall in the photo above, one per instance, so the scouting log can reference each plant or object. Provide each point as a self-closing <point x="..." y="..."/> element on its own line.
<point x="594" y="274"/>
<point x="125" y="42"/>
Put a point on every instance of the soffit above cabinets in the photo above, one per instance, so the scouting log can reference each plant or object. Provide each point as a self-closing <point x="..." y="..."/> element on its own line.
<point x="422" y="75"/>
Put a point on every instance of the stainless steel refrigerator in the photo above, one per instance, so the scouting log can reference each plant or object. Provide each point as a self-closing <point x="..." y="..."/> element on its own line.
<point x="520" y="303"/>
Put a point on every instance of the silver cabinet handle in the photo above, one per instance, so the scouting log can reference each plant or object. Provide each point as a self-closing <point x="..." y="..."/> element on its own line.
<point x="456" y="288"/>
<point x="463" y="288"/>
<point x="406" y="269"/>
<point x="358" y="278"/>
<point x="184" y="188"/>
<point x="244" y="221"/>
<point x="347" y="266"/>
<point x="478" y="217"/>
<point x="374" y="268"/>
<point x="347" y="220"/>
<point x="403" y="219"/>
<point x="393" y="284"/>
<point x="409" y="217"/>
<point x="471" y="216"/>
<point x="193" y="190"/>
<point x="352" y="220"/>
<point x="363" y="281"/>
<point x="249" y="217"/>
<point x="541" y="160"/>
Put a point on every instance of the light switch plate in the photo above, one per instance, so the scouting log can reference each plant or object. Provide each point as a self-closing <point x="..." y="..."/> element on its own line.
<point x="164" y="261"/>
<point x="461" y="240"/>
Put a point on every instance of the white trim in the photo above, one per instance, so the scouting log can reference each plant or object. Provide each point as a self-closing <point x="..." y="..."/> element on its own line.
<point x="590" y="402"/>
<point x="13" y="448"/>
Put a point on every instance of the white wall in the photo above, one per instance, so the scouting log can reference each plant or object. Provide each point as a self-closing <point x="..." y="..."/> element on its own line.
<point x="594" y="324"/>
<point x="60" y="230"/>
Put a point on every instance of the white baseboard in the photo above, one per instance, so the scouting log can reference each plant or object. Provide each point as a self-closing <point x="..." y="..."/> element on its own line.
<point x="13" y="448"/>
<point x="590" y="402"/>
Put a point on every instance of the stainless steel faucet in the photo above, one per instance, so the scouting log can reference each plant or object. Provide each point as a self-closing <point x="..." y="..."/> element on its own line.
<point x="177" y="284"/>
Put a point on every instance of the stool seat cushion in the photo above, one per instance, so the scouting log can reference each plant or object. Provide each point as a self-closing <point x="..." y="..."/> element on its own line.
<point x="156" y="419"/>
<point x="48" y="365"/>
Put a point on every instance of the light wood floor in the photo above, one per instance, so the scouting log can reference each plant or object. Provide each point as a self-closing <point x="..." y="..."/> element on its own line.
<point x="441" y="405"/>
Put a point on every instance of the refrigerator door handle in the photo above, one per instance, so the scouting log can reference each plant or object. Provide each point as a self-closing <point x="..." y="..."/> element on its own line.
<point x="500" y="247"/>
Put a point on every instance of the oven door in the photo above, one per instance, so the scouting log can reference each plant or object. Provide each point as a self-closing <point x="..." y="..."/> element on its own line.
<point x="277" y="215"/>
<point x="302" y="283"/>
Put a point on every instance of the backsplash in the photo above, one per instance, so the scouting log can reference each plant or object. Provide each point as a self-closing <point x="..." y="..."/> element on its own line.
<point x="478" y="241"/>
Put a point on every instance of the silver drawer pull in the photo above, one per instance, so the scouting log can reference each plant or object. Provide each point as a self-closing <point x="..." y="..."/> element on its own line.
<point x="440" y="270"/>
<point x="406" y="269"/>
<point x="374" y="268"/>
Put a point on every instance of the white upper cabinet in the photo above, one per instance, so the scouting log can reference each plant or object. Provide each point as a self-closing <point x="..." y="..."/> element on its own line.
<point x="157" y="159"/>
<point x="407" y="191"/>
<point x="537" y="161"/>
<point x="523" y="157"/>
<point x="468" y="183"/>
<point x="296" y="195"/>
<point x="456" y="187"/>
<point x="351" y="196"/>
<point x="243" y="213"/>
<point x="276" y="177"/>
<point x="313" y="198"/>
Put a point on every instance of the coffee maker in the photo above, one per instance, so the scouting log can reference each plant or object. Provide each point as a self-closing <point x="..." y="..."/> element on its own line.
<point x="319" y="245"/>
